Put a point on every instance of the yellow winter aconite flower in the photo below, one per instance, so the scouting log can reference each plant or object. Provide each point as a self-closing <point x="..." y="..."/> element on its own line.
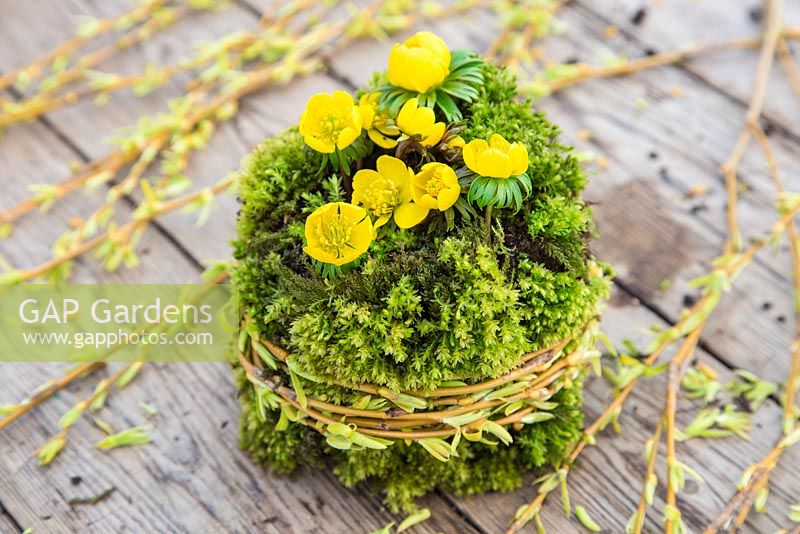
<point x="435" y="187"/>
<point x="496" y="159"/>
<point x="338" y="233"/>
<point x="456" y="142"/>
<point x="379" y="126"/>
<point x="420" y="63"/>
<point x="330" y="121"/>
<point x="387" y="192"/>
<point x="413" y="120"/>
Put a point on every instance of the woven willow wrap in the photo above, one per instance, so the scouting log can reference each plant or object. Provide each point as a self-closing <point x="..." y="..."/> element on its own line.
<point x="513" y="399"/>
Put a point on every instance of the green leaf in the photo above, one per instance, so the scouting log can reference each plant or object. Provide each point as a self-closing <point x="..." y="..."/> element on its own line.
<point x="149" y="409"/>
<point x="508" y="391"/>
<point x="266" y="356"/>
<point x="102" y="425"/>
<point x="448" y="106"/>
<point x="438" y="448"/>
<point x="127" y="438"/>
<point x="498" y="431"/>
<point x="409" y="403"/>
<point x="369" y="442"/>
<point x="129" y="374"/>
<point x="565" y="502"/>
<point x="537" y="417"/>
<point x="586" y="520"/>
<point x="338" y="442"/>
<point x="50" y="450"/>
<point x="464" y="419"/>
<point x="5" y="230"/>
<point x="387" y="529"/>
<point x="298" y="389"/>
<point x="72" y="415"/>
<point x="414" y="519"/>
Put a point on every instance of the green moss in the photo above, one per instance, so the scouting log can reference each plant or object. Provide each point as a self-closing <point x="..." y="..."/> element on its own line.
<point x="422" y="307"/>
<point x="404" y="472"/>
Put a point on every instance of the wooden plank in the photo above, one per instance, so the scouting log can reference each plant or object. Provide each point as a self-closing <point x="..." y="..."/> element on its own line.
<point x="608" y="478"/>
<point x="34" y="155"/>
<point x="710" y="20"/>
<point x="192" y="478"/>
<point x="651" y="282"/>
<point x="87" y="126"/>
<point x="7" y="523"/>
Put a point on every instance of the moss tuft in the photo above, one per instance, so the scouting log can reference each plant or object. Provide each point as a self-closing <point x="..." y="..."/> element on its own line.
<point x="422" y="307"/>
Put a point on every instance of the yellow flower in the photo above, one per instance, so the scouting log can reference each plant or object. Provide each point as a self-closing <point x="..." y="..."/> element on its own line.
<point x="379" y="127"/>
<point x="435" y="186"/>
<point x="496" y="159"/>
<point x="456" y="142"/>
<point x="420" y="63"/>
<point x="413" y="120"/>
<point x="387" y="192"/>
<point x="338" y="233"/>
<point x="330" y="122"/>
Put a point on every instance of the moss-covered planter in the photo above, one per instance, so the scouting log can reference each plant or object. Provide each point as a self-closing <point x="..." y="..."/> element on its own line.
<point x="507" y="323"/>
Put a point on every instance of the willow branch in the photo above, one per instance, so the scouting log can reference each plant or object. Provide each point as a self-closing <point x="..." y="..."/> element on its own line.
<point x="789" y="66"/>
<point x="35" y="67"/>
<point x="730" y="168"/>
<point x="48" y="389"/>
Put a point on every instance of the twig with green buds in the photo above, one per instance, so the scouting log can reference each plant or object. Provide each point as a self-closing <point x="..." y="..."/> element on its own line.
<point x="89" y="29"/>
<point x="48" y="98"/>
<point x="50" y="450"/>
<point x="45" y="391"/>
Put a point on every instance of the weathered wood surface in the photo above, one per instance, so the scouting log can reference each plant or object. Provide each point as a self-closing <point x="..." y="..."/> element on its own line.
<point x="194" y="479"/>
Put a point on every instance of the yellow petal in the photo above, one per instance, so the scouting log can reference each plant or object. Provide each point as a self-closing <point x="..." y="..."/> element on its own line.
<point x="380" y="221"/>
<point x="495" y="164"/>
<point x="350" y="212"/>
<point x="422" y="198"/>
<point x="433" y="134"/>
<point x="320" y="254"/>
<point x="342" y="99"/>
<point x="320" y="145"/>
<point x="409" y="214"/>
<point x="471" y="151"/>
<point x="388" y="129"/>
<point x="381" y="140"/>
<point x="420" y="63"/>
<point x="397" y="66"/>
<point x="423" y="119"/>
<point x="406" y="114"/>
<point x="499" y="142"/>
<point x="361" y="181"/>
<point x="519" y="159"/>
<point x="456" y="142"/>
<point x="425" y="72"/>
<point x="319" y="101"/>
<point x="394" y="170"/>
<point x="406" y="193"/>
<point x="362" y="236"/>
<point x="433" y="43"/>
<point x="347" y="136"/>
<point x="448" y="197"/>
<point x="367" y="115"/>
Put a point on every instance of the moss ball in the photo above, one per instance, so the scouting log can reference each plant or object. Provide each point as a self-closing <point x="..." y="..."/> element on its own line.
<point x="421" y="308"/>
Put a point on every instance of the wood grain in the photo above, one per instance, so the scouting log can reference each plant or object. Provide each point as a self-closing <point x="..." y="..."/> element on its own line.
<point x="193" y="478"/>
